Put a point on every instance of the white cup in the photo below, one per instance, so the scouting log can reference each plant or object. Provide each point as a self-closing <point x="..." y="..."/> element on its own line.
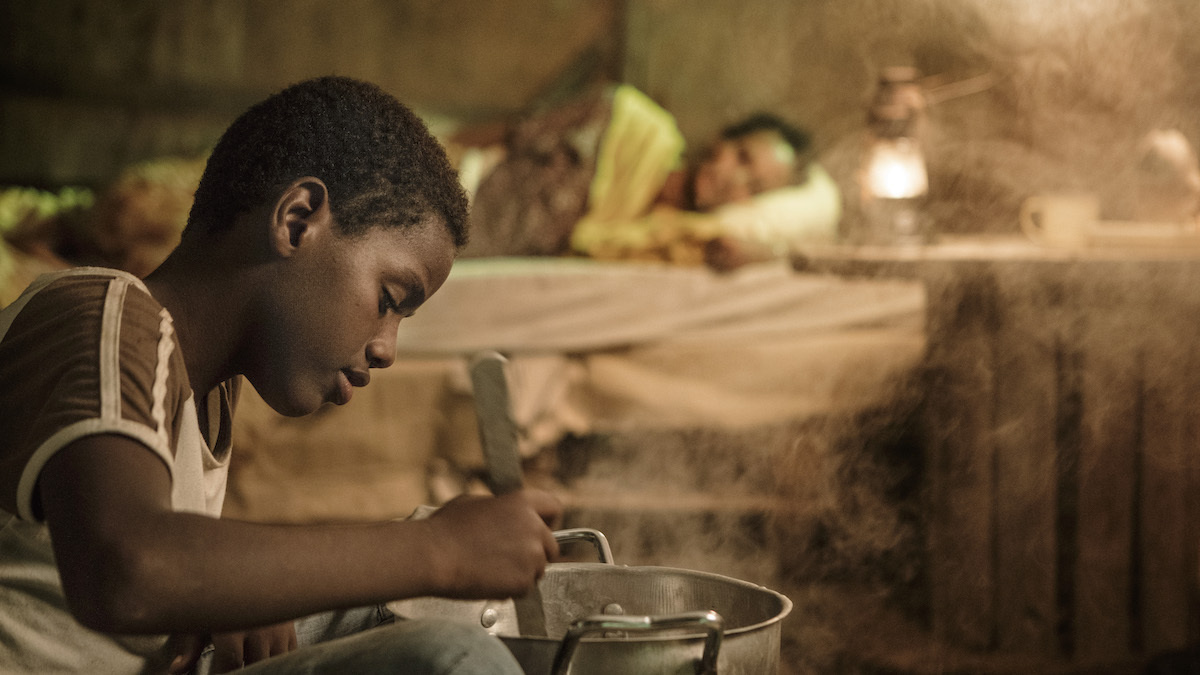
<point x="1060" y="219"/>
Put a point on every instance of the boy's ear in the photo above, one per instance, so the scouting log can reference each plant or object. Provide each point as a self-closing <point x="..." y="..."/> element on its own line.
<point x="301" y="214"/>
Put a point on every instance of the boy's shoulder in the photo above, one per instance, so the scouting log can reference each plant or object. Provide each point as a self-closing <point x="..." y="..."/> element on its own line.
<point x="83" y="313"/>
<point x="71" y="314"/>
<point x="73" y="291"/>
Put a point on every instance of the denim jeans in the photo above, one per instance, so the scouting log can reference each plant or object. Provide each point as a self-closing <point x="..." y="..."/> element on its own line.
<point x="371" y="640"/>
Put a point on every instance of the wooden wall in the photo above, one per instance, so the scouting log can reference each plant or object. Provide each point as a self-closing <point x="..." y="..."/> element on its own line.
<point x="88" y="86"/>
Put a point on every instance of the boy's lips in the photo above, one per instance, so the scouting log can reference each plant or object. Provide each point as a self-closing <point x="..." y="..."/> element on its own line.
<point x="344" y="390"/>
<point x="347" y="380"/>
<point x="358" y="378"/>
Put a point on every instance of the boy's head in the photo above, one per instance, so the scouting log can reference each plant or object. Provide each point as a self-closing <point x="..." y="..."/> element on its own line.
<point x="331" y="214"/>
<point x="378" y="160"/>
<point x="756" y="155"/>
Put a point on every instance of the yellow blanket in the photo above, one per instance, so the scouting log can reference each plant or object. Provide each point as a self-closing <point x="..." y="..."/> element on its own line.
<point x="641" y="147"/>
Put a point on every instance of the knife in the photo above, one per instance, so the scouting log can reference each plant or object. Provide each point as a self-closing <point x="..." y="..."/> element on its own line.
<point x="498" y="435"/>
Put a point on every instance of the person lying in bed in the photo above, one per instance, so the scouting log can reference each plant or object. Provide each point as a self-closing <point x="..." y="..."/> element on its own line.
<point x="604" y="177"/>
<point x="325" y="215"/>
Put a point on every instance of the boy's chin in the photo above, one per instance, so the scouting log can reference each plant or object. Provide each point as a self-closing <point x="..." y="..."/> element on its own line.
<point x="292" y="405"/>
<point x="296" y="400"/>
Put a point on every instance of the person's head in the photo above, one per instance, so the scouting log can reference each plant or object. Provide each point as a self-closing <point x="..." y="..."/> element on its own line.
<point x="378" y="160"/>
<point x="760" y="153"/>
<point x="338" y="214"/>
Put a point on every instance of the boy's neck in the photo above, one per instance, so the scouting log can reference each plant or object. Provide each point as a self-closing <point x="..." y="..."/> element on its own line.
<point x="206" y="309"/>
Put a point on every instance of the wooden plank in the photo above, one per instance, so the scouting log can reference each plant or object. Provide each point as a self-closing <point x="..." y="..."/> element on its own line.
<point x="1191" y="460"/>
<point x="1103" y="605"/>
<point x="1027" y="406"/>
<point x="1177" y="286"/>
<point x="957" y="422"/>
<point x="1165" y="579"/>
<point x="1067" y="441"/>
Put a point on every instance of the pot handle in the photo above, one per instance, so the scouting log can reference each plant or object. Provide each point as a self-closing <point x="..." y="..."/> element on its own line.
<point x="597" y="539"/>
<point x="710" y="621"/>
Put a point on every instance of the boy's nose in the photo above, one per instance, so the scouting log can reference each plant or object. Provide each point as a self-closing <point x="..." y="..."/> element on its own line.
<point x="381" y="351"/>
<point x="737" y="183"/>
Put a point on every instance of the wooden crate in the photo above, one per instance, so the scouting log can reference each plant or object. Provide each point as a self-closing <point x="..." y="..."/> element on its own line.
<point x="1062" y="428"/>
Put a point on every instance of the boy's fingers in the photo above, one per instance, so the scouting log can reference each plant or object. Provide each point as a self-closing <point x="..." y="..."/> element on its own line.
<point x="263" y="643"/>
<point x="551" y="546"/>
<point x="547" y="506"/>
<point x="257" y="647"/>
<point x="228" y="654"/>
<point x="187" y="652"/>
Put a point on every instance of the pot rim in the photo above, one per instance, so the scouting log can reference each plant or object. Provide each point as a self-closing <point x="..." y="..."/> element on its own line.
<point x="785" y="603"/>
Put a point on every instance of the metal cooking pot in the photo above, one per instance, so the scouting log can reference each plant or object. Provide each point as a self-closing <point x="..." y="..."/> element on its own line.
<point x="602" y="618"/>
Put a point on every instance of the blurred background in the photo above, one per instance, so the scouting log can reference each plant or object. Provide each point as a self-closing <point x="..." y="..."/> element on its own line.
<point x="1023" y="95"/>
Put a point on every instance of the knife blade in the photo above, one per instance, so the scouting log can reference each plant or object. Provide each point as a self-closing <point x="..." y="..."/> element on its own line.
<point x="498" y="435"/>
<point x="497" y="428"/>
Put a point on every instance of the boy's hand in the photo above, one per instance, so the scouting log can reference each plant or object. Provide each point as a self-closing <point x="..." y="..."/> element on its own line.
<point x="234" y="650"/>
<point x="725" y="254"/>
<point x="495" y="547"/>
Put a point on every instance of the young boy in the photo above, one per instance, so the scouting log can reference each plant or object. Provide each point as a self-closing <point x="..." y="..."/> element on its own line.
<point x="326" y="214"/>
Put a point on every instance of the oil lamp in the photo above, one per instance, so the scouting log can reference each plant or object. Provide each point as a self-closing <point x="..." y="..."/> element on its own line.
<point x="893" y="179"/>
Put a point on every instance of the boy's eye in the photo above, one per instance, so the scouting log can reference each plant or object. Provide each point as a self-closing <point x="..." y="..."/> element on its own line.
<point x="387" y="303"/>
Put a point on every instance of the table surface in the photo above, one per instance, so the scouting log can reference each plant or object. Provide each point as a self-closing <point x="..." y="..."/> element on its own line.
<point x="963" y="248"/>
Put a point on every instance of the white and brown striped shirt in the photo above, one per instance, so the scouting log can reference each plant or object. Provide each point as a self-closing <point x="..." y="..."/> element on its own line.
<point x="88" y="351"/>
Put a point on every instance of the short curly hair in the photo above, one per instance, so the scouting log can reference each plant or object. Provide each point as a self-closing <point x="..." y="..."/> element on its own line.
<point x="377" y="158"/>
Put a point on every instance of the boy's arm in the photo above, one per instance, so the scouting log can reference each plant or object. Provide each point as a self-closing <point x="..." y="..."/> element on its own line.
<point x="129" y="563"/>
